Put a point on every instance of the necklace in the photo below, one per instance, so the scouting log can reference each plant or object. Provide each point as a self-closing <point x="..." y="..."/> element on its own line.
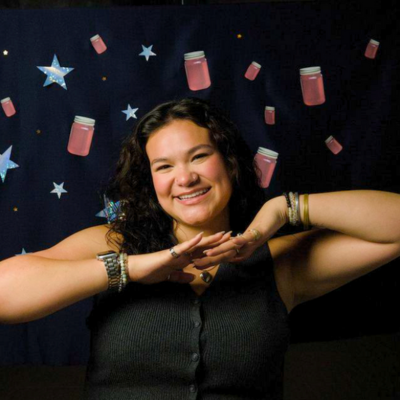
<point x="206" y="276"/>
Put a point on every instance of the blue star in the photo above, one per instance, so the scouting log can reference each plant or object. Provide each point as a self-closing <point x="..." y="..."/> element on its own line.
<point x="130" y="112"/>
<point x="147" y="52"/>
<point x="6" y="163"/>
<point x="55" y="73"/>
<point x="110" y="211"/>
<point x="59" y="189"/>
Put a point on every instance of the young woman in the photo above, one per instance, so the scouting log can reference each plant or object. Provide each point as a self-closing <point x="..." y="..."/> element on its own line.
<point x="205" y="309"/>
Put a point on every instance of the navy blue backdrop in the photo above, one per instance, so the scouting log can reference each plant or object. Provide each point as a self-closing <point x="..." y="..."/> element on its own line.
<point x="361" y="112"/>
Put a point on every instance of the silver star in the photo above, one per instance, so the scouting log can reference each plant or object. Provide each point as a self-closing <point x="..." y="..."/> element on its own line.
<point x="147" y="52"/>
<point x="59" y="189"/>
<point x="130" y="112"/>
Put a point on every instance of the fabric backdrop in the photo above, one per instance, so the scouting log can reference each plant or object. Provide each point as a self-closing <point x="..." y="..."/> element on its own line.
<point x="361" y="112"/>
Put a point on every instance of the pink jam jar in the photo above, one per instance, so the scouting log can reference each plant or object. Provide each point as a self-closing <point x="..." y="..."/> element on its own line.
<point x="333" y="145"/>
<point x="266" y="162"/>
<point x="8" y="107"/>
<point x="372" y="48"/>
<point x="98" y="44"/>
<point x="81" y="135"/>
<point x="312" y="86"/>
<point x="197" y="73"/>
<point x="269" y="115"/>
<point x="252" y="71"/>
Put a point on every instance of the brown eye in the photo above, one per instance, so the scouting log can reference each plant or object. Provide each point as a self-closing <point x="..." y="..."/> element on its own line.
<point x="200" y="155"/>
<point x="162" y="167"/>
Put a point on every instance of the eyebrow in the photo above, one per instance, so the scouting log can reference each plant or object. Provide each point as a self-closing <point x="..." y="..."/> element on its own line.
<point x="191" y="151"/>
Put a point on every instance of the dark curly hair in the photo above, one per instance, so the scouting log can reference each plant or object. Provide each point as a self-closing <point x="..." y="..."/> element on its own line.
<point x="141" y="221"/>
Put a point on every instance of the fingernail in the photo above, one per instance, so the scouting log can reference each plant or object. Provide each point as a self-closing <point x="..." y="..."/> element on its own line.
<point x="229" y="232"/>
<point x="199" y="233"/>
<point x="221" y="232"/>
<point x="206" y="252"/>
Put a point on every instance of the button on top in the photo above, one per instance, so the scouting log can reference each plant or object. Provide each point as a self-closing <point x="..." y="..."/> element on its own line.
<point x="195" y="357"/>
<point x="197" y="324"/>
<point x="192" y="388"/>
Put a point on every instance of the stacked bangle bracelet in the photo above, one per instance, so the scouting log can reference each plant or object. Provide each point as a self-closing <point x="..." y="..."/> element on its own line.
<point x="123" y="262"/>
<point x="293" y="204"/>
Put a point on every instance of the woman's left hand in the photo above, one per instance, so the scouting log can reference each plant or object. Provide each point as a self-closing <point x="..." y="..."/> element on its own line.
<point x="271" y="217"/>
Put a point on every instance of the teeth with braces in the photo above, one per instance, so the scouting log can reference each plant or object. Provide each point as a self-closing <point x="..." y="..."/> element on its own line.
<point x="189" y="196"/>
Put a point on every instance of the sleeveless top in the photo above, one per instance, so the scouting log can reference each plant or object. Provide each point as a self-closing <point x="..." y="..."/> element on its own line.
<point x="162" y="341"/>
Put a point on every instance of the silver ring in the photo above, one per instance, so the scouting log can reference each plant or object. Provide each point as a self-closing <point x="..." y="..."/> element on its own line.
<point x="174" y="253"/>
<point x="237" y="250"/>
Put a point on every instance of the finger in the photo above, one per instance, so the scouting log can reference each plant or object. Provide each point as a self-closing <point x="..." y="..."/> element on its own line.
<point x="223" y="248"/>
<point x="186" y="246"/>
<point x="211" y="261"/>
<point x="208" y="241"/>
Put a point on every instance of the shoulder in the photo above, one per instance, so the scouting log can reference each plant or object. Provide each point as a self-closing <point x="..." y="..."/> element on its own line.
<point x="84" y="244"/>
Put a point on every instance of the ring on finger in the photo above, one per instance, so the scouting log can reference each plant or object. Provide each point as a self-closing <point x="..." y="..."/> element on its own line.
<point x="256" y="234"/>
<point x="174" y="253"/>
<point x="237" y="250"/>
<point x="169" y="277"/>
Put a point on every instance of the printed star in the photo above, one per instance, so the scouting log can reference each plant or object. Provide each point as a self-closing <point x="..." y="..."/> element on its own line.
<point x="147" y="52"/>
<point x="59" y="189"/>
<point x="130" y="112"/>
<point x="6" y="163"/>
<point x="110" y="211"/>
<point x="55" y="73"/>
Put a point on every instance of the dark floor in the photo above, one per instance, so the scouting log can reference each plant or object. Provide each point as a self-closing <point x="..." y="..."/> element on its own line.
<point x="365" y="368"/>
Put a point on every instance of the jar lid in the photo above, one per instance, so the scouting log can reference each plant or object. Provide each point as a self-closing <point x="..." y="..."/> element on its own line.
<point x="270" y="108"/>
<point x="84" y="120"/>
<point x="94" y="37"/>
<point x="5" y="99"/>
<point x="267" y="152"/>
<point x="193" y="55"/>
<point x="256" y="64"/>
<point x="374" y="41"/>
<point x="329" y="139"/>
<point x="310" y="70"/>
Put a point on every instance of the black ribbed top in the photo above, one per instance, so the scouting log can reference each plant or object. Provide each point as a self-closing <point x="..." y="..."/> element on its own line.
<point x="164" y="342"/>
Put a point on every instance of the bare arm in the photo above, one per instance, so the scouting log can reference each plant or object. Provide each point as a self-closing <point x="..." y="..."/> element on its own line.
<point x="32" y="287"/>
<point x="362" y="233"/>
<point x="38" y="284"/>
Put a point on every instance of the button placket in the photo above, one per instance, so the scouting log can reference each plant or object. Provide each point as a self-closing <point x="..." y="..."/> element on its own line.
<point x="195" y="356"/>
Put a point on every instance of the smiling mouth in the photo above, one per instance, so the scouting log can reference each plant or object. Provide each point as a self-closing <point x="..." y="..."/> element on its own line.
<point x="193" y="195"/>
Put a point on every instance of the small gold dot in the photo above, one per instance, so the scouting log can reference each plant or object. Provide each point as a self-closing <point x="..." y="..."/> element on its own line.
<point x="38" y="131"/>
<point x="104" y="78"/>
<point x="15" y="209"/>
<point x="239" y="36"/>
<point x="5" y="52"/>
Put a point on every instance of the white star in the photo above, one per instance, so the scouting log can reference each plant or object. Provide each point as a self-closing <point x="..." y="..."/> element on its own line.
<point x="147" y="52"/>
<point x="130" y="112"/>
<point x="59" y="189"/>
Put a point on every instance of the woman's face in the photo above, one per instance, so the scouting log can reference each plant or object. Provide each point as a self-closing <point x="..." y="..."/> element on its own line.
<point x="189" y="175"/>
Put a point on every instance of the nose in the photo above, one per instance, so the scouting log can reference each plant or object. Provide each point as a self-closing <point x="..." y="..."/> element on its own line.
<point x="186" y="177"/>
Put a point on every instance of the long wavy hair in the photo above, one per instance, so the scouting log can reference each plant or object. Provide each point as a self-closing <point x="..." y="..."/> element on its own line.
<point x="141" y="221"/>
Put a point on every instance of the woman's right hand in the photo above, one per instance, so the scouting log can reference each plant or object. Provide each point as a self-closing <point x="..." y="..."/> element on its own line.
<point x="156" y="267"/>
